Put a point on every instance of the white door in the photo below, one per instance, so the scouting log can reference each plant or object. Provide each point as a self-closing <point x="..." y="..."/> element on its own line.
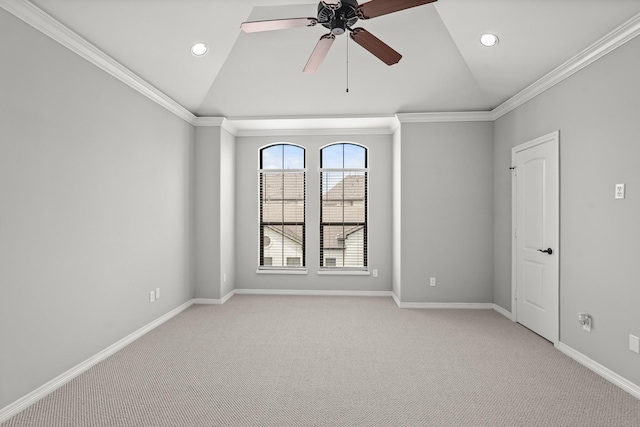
<point x="536" y="235"/>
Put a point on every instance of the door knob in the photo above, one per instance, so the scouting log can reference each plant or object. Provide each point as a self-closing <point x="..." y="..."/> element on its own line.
<point x="548" y="251"/>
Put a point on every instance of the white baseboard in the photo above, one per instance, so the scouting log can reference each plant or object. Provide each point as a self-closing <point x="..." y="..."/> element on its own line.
<point x="212" y="301"/>
<point x="456" y="305"/>
<point x="603" y="371"/>
<point x="502" y="311"/>
<point x="395" y="298"/>
<point x="42" y="391"/>
<point x="482" y="306"/>
<point x="313" y="292"/>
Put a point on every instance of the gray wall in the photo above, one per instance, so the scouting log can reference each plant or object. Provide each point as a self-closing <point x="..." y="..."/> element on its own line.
<point x="447" y="212"/>
<point x="94" y="209"/>
<point x="227" y="212"/>
<point x="380" y="216"/>
<point x="597" y="112"/>
<point x="214" y="212"/>
<point x="207" y="212"/>
<point x="397" y="213"/>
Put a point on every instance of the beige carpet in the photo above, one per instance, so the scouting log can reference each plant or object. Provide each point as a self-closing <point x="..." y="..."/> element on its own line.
<point x="335" y="361"/>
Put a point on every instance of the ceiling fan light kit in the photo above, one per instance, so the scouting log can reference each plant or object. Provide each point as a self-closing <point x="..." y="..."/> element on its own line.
<point x="339" y="16"/>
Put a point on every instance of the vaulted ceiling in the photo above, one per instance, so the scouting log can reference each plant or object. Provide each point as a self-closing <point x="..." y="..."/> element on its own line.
<point x="444" y="67"/>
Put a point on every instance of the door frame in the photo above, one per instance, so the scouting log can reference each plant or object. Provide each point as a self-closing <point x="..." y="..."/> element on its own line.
<point x="554" y="138"/>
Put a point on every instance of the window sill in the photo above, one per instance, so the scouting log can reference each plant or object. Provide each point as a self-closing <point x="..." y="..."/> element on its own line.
<point x="284" y="272"/>
<point x="338" y="272"/>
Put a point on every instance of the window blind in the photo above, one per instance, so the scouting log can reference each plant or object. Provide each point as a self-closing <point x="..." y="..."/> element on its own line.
<point x="282" y="218"/>
<point x="343" y="218"/>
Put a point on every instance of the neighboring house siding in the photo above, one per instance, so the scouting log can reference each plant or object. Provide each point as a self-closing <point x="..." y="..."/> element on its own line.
<point x="281" y="247"/>
<point x="352" y="251"/>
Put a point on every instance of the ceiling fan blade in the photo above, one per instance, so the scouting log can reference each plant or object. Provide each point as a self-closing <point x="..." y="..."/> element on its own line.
<point x="376" y="46"/>
<point x="319" y="53"/>
<point x="277" y="24"/>
<point x="374" y="8"/>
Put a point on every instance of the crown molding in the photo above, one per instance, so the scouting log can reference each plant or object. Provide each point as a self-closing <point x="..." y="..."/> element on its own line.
<point x="597" y="50"/>
<point x="208" y="121"/>
<point x="221" y="122"/>
<point x="464" y="116"/>
<point x="43" y="22"/>
<point x="310" y="126"/>
<point x="46" y="24"/>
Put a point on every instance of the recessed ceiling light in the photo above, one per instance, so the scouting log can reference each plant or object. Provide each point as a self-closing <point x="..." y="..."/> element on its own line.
<point x="489" y="40"/>
<point x="199" y="49"/>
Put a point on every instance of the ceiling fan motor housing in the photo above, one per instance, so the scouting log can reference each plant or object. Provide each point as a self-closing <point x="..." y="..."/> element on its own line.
<point x="338" y="20"/>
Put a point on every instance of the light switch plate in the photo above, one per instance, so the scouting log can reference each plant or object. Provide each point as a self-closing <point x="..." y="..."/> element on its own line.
<point x="619" y="191"/>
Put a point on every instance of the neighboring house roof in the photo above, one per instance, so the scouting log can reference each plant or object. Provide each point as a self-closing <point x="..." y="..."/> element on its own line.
<point x="283" y="185"/>
<point x="334" y="236"/>
<point x="291" y="232"/>
<point x="351" y="187"/>
<point x="344" y="202"/>
<point x="283" y="197"/>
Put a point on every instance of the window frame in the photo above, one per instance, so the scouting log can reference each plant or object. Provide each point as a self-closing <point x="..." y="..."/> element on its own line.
<point x="364" y="269"/>
<point x="284" y="269"/>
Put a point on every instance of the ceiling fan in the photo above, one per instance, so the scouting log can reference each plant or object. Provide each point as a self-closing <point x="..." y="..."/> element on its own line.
<point x="339" y="16"/>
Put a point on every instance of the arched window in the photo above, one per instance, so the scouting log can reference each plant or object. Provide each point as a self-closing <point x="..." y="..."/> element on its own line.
<point x="343" y="200"/>
<point x="282" y="207"/>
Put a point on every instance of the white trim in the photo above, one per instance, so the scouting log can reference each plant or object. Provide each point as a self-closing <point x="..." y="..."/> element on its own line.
<point x="310" y="126"/>
<point x="282" y="171"/>
<point x="339" y="272"/>
<point x="502" y="311"/>
<point x="552" y="136"/>
<point x="47" y="388"/>
<point x="209" y="121"/>
<point x="395" y="298"/>
<point x="313" y="292"/>
<point x="46" y="24"/>
<point x="283" y="271"/>
<point x="448" y="305"/>
<point x="313" y="132"/>
<point x="597" y="50"/>
<point x="601" y="370"/>
<point x="468" y="116"/>
<point x="221" y="122"/>
<point x="212" y="301"/>
<point x="43" y="22"/>
<point x="514" y="252"/>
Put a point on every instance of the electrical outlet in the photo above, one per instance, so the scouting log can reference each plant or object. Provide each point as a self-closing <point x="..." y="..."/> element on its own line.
<point x="634" y="344"/>
<point x="375" y="272"/>
<point x="152" y="296"/>
<point x="432" y="281"/>
<point x="619" y="191"/>
<point x="157" y="293"/>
